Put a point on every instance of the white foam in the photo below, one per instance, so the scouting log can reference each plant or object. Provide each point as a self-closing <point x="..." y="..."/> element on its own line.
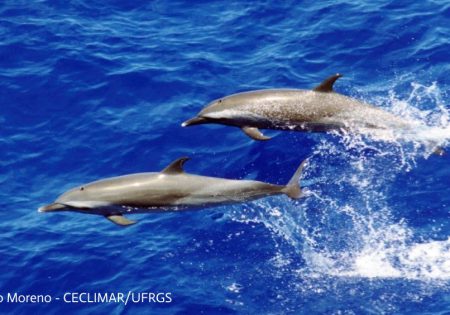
<point x="370" y="241"/>
<point x="421" y="261"/>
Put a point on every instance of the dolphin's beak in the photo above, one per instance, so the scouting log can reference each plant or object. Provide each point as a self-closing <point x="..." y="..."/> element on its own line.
<point x="194" y="121"/>
<point x="51" y="207"/>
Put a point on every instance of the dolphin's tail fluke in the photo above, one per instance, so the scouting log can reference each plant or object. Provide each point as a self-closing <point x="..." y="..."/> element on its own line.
<point x="439" y="151"/>
<point x="292" y="189"/>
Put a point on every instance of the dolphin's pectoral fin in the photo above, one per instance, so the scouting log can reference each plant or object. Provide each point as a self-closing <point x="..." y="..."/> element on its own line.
<point x="327" y="84"/>
<point x="254" y="133"/>
<point x="119" y="220"/>
<point x="176" y="167"/>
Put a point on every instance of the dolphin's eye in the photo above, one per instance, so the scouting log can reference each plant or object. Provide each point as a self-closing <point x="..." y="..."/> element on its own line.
<point x="220" y="101"/>
<point x="82" y="188"/>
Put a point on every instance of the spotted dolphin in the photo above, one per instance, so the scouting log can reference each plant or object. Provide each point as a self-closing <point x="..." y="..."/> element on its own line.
<point x="172" y="189"/>
<point x="317" y="110"/>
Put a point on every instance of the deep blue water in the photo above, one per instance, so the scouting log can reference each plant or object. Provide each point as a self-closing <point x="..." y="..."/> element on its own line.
<point x="90" y="89"/>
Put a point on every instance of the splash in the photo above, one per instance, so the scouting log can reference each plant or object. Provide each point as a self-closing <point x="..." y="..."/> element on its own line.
<point x="346" y="226"/>
<point x="426" y="108"/>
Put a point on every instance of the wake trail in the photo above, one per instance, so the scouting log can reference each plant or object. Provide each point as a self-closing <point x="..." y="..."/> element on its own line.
<point x="354" y="181"/>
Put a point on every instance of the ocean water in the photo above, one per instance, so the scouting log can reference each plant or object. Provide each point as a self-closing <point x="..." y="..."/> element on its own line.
<point x="94" y="89"/>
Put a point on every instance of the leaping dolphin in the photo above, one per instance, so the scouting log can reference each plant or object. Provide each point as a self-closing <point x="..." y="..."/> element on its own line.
<point x="169" y="190"/>
<point x="317" y="110"/>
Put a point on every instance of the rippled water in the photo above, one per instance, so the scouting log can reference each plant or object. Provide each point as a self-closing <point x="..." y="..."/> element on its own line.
<point x="91" y="90"/>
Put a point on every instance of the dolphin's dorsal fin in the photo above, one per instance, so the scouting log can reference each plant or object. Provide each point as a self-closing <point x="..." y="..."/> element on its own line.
<point x="327" y="84"/>
<point x="176" y="167"/>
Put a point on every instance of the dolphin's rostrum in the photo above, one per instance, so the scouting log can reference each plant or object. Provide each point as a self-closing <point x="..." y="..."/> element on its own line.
<point x="317" y="110"/>
<point x="169" y="190"/>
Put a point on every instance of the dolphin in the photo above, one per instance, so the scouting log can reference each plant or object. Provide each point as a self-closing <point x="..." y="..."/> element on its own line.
<point x="172" y="189"/>
<point x="317" y="110"/>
